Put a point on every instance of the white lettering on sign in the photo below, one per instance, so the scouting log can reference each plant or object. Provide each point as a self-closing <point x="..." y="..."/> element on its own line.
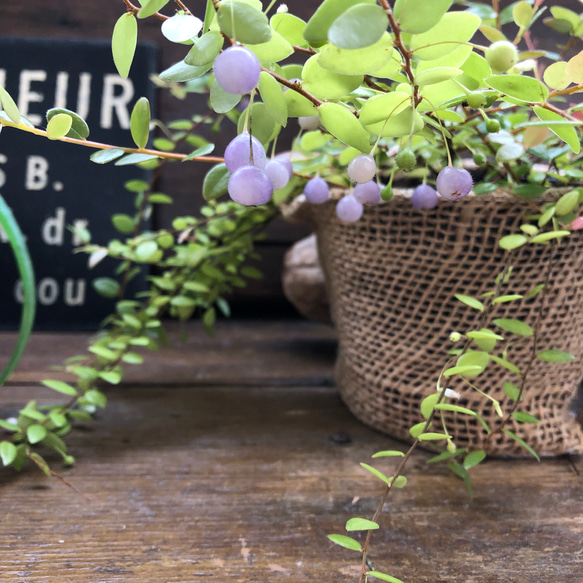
<point x="26" y="95"/>
<point x="36" y="176"/>
<point x="53" y="229"/>
<point x="49" y="291"/>
<point x="116" y="94"/>
<point x="111" y="101"/>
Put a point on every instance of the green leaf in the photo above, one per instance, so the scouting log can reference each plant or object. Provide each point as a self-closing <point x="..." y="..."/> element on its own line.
<point x="510" y="242"/>
<point x="388" y="453"/>
<point x="522" y="13"/>
<point x="202" y="151"/>
<point x="7" y="452"/>
<point x="379" y="108"/>
<point x="79" y="128"/>
<point x="556" y="77"/>
<point x="290" y="27"/>
<point x="376" y="473"/>
<point x="95" y="397"/>
<point x="123" y="223"/>
<point x="362" y="25"/>
<point x="418" y="16"/>
<point x="215" y="182"/>
<point x="272" y="95"/>
<point x="8" y="426"/>
<point x="383" y="576"/>
<point x="59" y="126"/>
<point x="105" y="156"/>
<point x="150" y="7"/>
<point x="60" y="387"/>
<point x="262" y="121"/>
<point x="428" y="404"/>
<point x="514" y="326"/>
<point x="342" y="124"/>
<point x="484" y="333"/>
<point x="274" y="50"/>
<point x="544" y="237"/>
<point x="511" y="391"/>
<point x="316" y="31"/>
<point x="251" y="272"/>
<point x="471" y="302"/>
<point x="346" y="542"/>
<point x="519" y="87"/>
<point x="462" y="473"/>
<point x="140" y="122"/>
<point x="181" y="72"/>
<point x="508" y="298"/>
<point x="110" y="376"/>
<point x="360" y="524"/>
<point x="35" y="433"/>
<point x="574" y="68"/>
<point x="455" y="409"/>
<point x="359" y="61"/>
<point x="474" y="458"/>
<point x="400" y="482"/>
<point x="205" y="49"/>
<point x="554" y="356"/>
<point x="243" y="22"/>
<point x="523" y="417"/>
<point x="567" y="203"/>
<point x="509" y="152"/>
<point x="147" y="251"/>
<point x="132" y="358"/>
<point x="522" y="443"/>
<point x="566" y="133"/>
<point x="456" y="27"/>
<point x="436" y="75"/>
<point x="505" y="363"/>
<point x="135" y="159"/>
<point x="467" y="370"/>
<point x="106" y="287"/>
<point x="429" y="436"/>
<point x="474" y="358"/>
<point x="9" y="106"/>
<point x="325" y="84"/>
<point x="123" y="43"/>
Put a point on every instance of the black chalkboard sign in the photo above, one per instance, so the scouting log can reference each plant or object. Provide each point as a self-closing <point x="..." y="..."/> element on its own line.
<point x="51" y="186"/>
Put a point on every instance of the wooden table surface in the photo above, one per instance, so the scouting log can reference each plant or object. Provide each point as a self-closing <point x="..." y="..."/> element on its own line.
<point x="229" y="460"/>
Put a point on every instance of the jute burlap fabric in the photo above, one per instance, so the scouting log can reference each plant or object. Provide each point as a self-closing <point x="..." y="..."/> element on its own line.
<point x="391" y="278"/>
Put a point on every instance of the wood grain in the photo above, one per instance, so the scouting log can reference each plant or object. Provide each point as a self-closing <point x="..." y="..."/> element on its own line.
<point x="242" y="482"/>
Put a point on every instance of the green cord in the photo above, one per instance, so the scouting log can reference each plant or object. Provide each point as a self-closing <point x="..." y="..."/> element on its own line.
<point x="20" y="250"/>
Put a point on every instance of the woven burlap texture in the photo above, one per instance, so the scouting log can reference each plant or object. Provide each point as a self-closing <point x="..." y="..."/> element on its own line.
<point x="391" y="279"/>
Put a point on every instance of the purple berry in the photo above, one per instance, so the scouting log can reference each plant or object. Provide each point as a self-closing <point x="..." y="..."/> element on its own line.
<point x="278" y="173"/>
<point x="348" y="209"/>
<point x="453" y="183"/>
<point x="316" y="190"/>
<point x="250" y="186"/>
<point x="286" y="161"/>
<point x="362" y="168"/>
<point x="238" y="153"/>
<point x="424" y="197"/>
<point x="368" y="193"/>
<point x="237" y="70"/>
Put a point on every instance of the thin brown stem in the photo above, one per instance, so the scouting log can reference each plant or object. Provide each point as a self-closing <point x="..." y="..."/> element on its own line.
<point x="182" y="6"/>
<point x="405" y="52"/>
<point x="295" y="85"/>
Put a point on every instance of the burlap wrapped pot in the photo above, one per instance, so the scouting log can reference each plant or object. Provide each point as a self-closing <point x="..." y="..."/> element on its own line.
<point x="391" y="279"/>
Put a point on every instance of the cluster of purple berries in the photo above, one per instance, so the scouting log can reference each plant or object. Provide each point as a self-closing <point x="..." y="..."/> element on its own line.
<point x="254" y="178"/>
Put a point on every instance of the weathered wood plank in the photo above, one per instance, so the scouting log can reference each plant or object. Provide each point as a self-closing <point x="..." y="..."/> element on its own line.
<point x="227" y="484"/>
<point x="242" y="352"/>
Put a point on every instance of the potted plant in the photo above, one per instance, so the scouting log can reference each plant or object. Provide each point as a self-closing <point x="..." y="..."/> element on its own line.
<point x="432" y="94"/>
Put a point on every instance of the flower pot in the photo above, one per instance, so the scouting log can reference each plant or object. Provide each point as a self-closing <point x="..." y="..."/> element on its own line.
<point x="391" y="279"/>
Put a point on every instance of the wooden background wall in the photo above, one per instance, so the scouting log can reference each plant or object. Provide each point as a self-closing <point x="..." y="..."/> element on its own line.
<point x="95" y="19"/>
